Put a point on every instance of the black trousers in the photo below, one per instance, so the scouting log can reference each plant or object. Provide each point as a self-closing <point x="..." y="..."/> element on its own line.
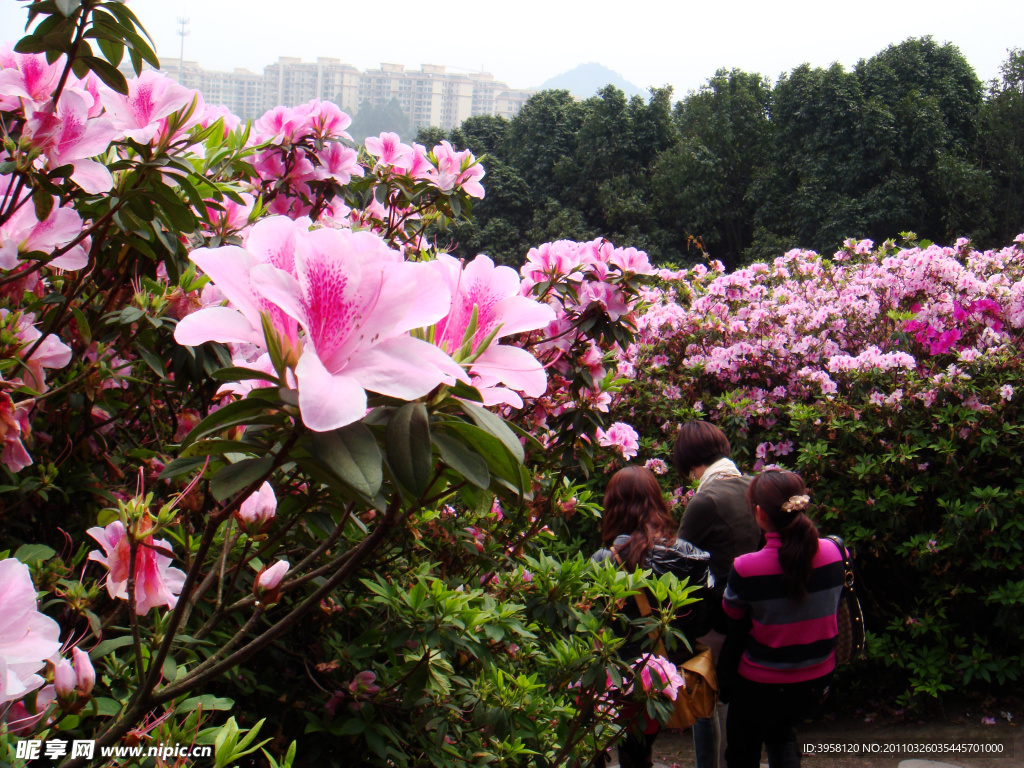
<point x="762" y="713"/>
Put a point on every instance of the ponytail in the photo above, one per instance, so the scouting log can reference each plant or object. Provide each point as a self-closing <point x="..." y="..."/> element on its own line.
<point x="781" y="496"/>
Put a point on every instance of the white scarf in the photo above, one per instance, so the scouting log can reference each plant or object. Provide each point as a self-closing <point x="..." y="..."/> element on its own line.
<point x="721" y="468"/>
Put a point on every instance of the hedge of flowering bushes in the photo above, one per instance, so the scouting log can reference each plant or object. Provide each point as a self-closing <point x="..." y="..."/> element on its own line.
<point x="265" y="447"/>
<point x="891" y="377"/>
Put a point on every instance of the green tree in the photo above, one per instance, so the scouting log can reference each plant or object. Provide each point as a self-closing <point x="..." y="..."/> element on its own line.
<point x="1002" y="146"/>
<point x="373" y="120"/>
<point x="700" y="183"/>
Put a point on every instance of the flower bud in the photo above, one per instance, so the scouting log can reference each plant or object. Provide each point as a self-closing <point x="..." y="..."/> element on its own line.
<point x="268" y="581"/>
<point x="256" y="512"/>
<point x="65" y="680"/>
<point x="84" y="672"/>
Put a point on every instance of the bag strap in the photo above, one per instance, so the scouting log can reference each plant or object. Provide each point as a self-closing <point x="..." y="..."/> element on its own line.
<point x="847" y="565"/>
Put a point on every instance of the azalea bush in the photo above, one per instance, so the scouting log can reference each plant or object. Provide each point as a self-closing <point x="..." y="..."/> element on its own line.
<point x="890" y="377"/>
<point x="268" y="448"/>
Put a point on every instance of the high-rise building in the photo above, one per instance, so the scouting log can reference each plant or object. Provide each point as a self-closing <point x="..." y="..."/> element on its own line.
<point x="430" y="95"/>
<point x="291" y="82"/>
<point x="241" y="90"/>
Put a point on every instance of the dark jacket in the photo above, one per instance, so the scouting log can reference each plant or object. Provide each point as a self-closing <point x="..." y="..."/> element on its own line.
<point x="718" y="521"/>
<point x="685" y="561"/>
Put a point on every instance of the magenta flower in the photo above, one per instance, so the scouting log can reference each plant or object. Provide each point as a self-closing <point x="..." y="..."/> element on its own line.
<point x="620" y="436"/>
<point x="27" y="637"/>
<point x="156" y="582"/>
<point x="659" y="675"/>
<point x="363" y="684"/>
<point x="458" y="169"/>
<point x="338" y="162"/>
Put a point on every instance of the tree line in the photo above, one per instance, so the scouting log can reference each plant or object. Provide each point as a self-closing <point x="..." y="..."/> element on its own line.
<point x="909" y="140"/>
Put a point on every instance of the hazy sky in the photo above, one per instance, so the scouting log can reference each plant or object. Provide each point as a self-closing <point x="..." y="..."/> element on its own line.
<point x="649" y="42"/>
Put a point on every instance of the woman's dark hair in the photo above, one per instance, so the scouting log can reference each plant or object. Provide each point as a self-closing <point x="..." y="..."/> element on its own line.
<point x="634" y="506"/>
<point x="699" y="444"/>
<point x="771" y="490"/>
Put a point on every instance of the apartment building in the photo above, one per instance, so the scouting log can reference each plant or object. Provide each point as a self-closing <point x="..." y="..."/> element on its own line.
<point x="241" y="90"/>
<point x="430" y="95"/>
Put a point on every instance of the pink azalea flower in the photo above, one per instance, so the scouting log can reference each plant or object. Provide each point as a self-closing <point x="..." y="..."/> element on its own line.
<point x="51" y="353"/>
<point x="458" y="169"/>
<point x="27" y="637"/>
<point x="363" y="684"/>
<point x="329" y="121"/>
<point x="338" y="162"/>
<point x="14" y="426"/>
<point x="387" y="148"/>
<point x="27" y="76"/>
<point x="232" y="218"/>
<point x="494" y="293"/>
<point x="355" y="300"/>
<point x="151" y="96"/>
<point x="24" y="233"/>
<point x="77" y="137"/>
<point x="620" y="436"/>
<point x="156" y="583"/>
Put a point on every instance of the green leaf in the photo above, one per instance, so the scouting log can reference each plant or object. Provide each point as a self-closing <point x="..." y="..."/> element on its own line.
<point x="34" y="553"/>
<point x="152" y="360"/>
<point x="496" y="426"/>
<point x="240" y="412"/>
<point x="208" y="702"/>
<point x="462" y="459"/>
<point x="106" y="707"/>
<point x="43" y="203"/>
<point x="243" y="374"/>
<point x="492" y="450"/>
<point x="352" y="455"/>
<point x="182" y="466"/>
<point x="109" y="646"/>
<point x="217" y="447"/>
<point x="409" y="449"/>
<point x="108" y="73"/>
<point x="236" y="477"/>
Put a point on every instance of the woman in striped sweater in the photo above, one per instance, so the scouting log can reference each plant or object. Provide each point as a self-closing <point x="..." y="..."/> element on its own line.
<point x="790" y="592"/>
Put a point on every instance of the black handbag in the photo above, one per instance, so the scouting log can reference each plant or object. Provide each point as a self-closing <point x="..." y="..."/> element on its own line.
<point x="849" y="616"/>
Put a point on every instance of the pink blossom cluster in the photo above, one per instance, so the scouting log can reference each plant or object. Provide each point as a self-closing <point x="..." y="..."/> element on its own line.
<point x="585" y="284"/>
<point x="302" y="152"/>
<point x="808" y="327"/>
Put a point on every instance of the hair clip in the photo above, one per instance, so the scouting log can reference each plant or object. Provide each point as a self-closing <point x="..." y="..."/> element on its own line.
<point x="796" y="504"/>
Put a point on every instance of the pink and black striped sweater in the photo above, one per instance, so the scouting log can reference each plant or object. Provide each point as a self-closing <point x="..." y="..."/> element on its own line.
<point x="789" y="642"/>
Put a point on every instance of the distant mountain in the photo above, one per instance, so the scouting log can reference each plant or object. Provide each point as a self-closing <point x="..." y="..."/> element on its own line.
<point x="586" y="79"/>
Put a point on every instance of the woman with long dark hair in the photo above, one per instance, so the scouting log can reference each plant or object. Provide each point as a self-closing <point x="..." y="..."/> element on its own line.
<point x="638" y="531"/>
<point x="790" y="591"/>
